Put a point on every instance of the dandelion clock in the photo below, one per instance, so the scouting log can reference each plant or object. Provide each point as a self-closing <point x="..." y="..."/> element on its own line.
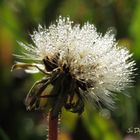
<point x="79" y="63"/>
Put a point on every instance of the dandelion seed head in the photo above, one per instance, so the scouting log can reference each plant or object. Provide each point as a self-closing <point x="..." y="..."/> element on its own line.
<point x="91" y="57"/>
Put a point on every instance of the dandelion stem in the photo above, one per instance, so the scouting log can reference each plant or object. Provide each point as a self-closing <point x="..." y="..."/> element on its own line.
<point x="53" y="127"/>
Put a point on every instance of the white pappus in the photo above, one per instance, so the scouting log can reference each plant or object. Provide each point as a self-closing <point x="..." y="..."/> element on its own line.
<point x="90" y="65"/>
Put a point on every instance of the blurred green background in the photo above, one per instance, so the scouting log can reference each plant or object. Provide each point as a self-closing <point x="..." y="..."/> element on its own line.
<point x="18" y="18"/>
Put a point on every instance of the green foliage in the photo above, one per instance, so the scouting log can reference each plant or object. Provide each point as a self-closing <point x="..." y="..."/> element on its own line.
<point x="101" y="128"/>
<point x="135" y="31"/>
<point x="18" y="18"/>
